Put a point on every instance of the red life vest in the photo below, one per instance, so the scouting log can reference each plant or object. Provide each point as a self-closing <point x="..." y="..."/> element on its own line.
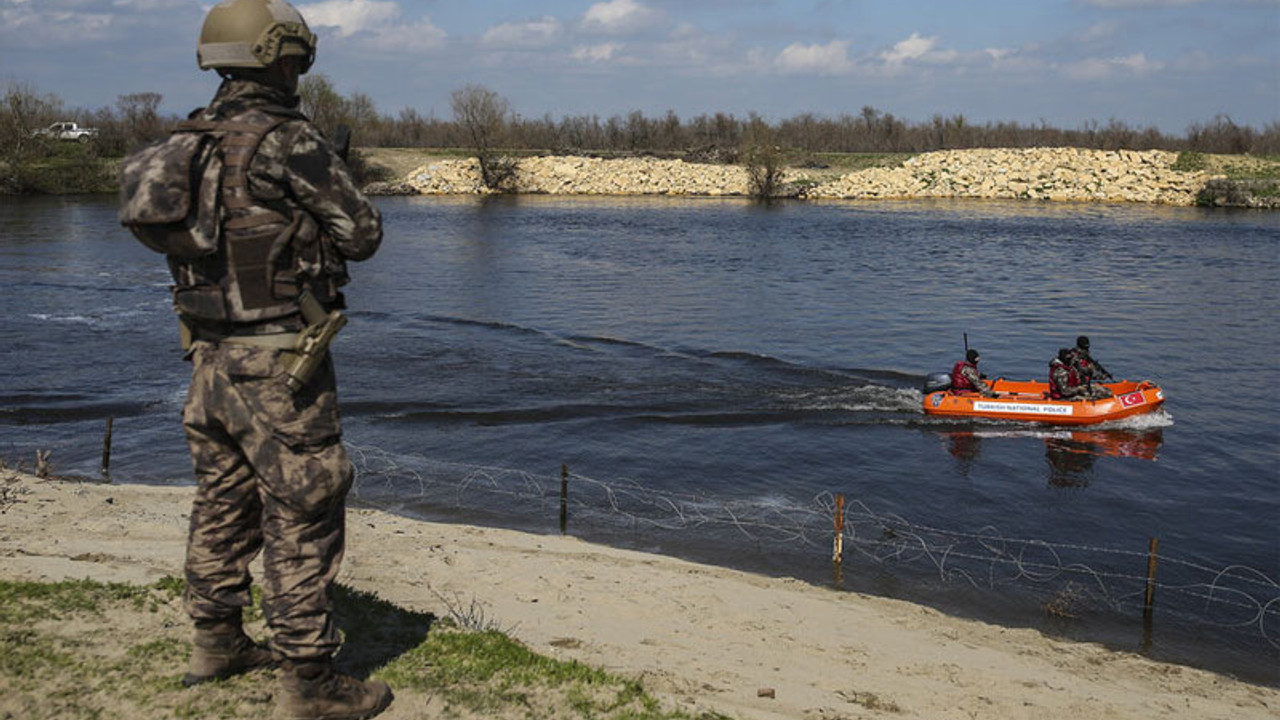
<point x="958" y="380"/>
<point x="1056" y="391"/>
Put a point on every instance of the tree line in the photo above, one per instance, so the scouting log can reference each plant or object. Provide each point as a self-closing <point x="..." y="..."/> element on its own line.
<point x="482" y="121"/>
<point x="868" y="131"/>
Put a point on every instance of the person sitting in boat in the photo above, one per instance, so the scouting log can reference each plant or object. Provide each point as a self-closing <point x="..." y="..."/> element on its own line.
<point x="965" y="375"/>
<point x="1066" y="382"/>
<point x="1090" y="370"/>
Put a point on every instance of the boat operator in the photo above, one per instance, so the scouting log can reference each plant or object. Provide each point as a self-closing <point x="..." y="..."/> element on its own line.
<point x="965" y="375"/>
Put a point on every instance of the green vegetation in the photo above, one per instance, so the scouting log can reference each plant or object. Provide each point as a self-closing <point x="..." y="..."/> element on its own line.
<point x="1238" y="180"/>
<point x="853" y="162"/>
<point x="59" y="169"/>
<point x="84" y="650"/>
<point x="24" y="602"/>
<point x="1190" y="161"/>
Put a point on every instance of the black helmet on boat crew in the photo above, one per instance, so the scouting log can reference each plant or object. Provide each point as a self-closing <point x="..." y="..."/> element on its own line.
<point x="1064" y="354"/>
<point x="1082" y="342"/>
<point x="973" y="355"/>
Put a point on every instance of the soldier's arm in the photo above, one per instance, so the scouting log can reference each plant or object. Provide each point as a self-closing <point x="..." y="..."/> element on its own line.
<point x="975" y="378"/>
<point x="321" y="183"/>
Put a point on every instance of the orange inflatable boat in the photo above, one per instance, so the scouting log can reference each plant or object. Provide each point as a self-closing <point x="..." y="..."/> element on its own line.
<point x="1030" y="402"/>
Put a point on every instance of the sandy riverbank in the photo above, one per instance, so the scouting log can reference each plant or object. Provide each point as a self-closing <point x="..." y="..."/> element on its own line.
<point x="700" y="636"/>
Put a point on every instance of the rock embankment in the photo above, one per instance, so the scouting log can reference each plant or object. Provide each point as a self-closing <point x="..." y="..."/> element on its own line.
<point x="1062" y="174"/>
<point x="573" y="175"/>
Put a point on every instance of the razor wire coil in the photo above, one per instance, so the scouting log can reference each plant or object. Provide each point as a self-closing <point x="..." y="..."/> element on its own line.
<point x="985" y="559"/>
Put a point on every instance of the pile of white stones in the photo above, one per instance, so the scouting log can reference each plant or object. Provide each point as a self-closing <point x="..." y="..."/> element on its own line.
<point x="1063" y="174"/>
<point x="571" y="175"/>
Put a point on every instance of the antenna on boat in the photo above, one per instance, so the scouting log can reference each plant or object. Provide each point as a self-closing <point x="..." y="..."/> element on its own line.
<point x="966" y="344"/>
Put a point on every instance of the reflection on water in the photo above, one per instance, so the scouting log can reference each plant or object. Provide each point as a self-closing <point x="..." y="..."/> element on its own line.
<point x="1069" y="453"/>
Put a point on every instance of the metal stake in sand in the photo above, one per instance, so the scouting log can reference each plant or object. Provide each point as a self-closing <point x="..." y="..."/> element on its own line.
<point x="564" y="498"/>
<point x="837" y="555"/>
<point x="1152" y="557"/>
<point x="106" y="450"/>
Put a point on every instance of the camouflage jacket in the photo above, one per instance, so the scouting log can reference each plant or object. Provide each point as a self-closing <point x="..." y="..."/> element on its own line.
<point x="297" y="165"/>
<point x="1088" y="368"/>
<point x="971" y="374"/>
<point x="291" y="208"/>
<point x="1060" y="380"/>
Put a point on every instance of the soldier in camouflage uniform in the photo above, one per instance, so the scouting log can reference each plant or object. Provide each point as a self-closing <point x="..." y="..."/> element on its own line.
<point x="965" y="375"/>
<point x="271" y="469"/>
<point x="1066" y="382"/>
<point x="1091" y="370"/>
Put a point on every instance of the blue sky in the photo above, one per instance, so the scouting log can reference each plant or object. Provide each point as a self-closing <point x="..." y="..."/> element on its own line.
<point x="1166" y="63"/>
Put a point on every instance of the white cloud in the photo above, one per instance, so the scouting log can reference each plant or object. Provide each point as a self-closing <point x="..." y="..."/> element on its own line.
<point x="603" y="52"/>
<point x="422" y="35"/>
<point x="621" y="17"/>
<point x="529" y="34"/>
<point x="374" y="24"/>
<point x="1096" y="69"/>
<point x="348" y="17"/>
<point x="913" y="48"/>
<point x="23" y="25"/>
<point x="1099" y="31"/>
<point x="829" y="59"/>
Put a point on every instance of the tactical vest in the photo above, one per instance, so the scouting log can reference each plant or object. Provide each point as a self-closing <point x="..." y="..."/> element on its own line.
<point x="1056" y="390"/>
<point x="958" y="380"/>
<point x="254" y="275"/>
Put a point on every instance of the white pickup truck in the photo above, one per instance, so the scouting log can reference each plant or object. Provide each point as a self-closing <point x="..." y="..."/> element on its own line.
<point x="68" y="131"/>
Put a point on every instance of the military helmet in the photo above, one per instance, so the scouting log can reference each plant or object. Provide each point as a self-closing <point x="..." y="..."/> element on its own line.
<point x="253" y="34"/>
<point x="1082" y="342"/>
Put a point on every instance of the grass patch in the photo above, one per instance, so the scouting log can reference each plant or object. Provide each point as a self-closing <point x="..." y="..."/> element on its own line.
<point x="488" y="673"/>
<point x="22" y="602"/>
<point x="85" y="650"/>
<point x="1190" y="162"/>
<point x="852" y="162"/>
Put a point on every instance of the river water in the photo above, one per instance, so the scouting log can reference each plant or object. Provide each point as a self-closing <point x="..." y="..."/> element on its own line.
<point x="714" y="372"/>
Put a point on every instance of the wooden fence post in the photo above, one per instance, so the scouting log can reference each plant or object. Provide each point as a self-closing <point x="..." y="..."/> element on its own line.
<point x="837" y="556"/>
<point x="106" y="450"/>
<point x="1152" y="556"/>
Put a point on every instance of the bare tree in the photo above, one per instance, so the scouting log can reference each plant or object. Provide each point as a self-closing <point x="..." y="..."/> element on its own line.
<point x="138" y="116"/>
<point x="322" y="103"/>
<point x="482" y="115"/>
<point x="22" y="111"/>
<point x="763" y="159"/>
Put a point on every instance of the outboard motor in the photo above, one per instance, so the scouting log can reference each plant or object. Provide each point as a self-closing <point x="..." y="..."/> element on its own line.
<point x="935" y="382"/>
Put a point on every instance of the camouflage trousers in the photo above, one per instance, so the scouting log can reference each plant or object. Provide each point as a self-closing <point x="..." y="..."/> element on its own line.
<point x="272" y="477"/>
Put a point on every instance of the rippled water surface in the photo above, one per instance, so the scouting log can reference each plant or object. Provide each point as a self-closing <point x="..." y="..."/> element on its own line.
<point x="713" y="373"/>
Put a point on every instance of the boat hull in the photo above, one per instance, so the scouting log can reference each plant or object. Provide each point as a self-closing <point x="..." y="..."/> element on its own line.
<point x="1030" y="402"/>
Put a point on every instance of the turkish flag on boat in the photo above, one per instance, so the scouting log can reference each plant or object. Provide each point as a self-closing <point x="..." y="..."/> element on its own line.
<point x="1133" y="398"/>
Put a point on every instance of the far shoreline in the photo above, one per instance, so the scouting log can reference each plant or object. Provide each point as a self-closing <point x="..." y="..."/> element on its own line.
<point x="1070" y="175"/>
<point x="1053" y="174"/>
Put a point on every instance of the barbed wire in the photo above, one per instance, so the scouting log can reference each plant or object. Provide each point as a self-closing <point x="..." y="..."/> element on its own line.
<point x="1073" y="577"/>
